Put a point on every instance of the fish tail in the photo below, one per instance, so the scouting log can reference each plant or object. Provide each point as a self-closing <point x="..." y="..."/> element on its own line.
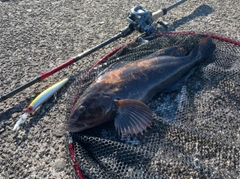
<point x="205" y="48"/>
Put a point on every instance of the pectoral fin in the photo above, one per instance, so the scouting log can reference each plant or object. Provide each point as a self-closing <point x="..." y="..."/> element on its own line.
<point x="133" y="117"/>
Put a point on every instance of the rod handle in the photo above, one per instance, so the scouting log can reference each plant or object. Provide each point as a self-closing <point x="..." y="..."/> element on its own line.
<point x="158" y="14"/>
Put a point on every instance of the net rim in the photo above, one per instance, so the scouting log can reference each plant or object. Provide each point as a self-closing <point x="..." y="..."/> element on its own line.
<point x="212" y="35"/>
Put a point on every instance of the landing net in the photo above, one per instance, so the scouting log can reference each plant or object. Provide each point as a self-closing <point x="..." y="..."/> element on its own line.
<point x="196" y="129"/>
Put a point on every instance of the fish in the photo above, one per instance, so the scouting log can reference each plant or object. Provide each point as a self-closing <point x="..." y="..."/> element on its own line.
<point x="121" y="92"/>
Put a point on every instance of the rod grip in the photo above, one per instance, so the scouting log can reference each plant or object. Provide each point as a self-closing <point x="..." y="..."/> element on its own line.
<point x="158" y="14"/>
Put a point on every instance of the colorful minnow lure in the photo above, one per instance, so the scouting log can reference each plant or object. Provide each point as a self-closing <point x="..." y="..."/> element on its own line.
<point x="42" y="97"/>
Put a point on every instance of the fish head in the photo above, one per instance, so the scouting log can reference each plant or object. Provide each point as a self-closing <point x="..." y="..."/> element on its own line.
<point x="89" y="112"/>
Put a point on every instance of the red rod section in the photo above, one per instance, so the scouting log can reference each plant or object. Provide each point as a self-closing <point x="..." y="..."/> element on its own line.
<point x="56" y="69"/>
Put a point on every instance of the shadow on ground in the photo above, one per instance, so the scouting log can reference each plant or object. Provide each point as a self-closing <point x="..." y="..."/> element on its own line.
<point x="203" y="10"/>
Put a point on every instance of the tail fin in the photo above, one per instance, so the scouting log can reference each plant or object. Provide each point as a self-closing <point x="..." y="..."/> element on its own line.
<point x="205" y="48"/>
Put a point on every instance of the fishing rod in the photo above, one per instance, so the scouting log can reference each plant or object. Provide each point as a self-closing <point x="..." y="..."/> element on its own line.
<point x="139" y="18"/>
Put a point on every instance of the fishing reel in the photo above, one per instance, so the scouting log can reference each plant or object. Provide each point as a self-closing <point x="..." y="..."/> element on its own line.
<point x="141" y="20"/>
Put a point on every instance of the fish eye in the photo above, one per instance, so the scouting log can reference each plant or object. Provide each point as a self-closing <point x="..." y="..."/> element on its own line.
<point x="81" y="109"/>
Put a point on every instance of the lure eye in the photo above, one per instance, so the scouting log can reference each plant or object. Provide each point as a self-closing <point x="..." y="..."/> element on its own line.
<point x="81" y="109"/>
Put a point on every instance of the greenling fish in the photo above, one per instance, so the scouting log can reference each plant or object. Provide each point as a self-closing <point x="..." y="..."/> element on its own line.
<point x="120" y="93"/>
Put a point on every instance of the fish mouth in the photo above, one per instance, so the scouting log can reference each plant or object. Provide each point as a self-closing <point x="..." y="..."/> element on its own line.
<point x="77" y="127"/>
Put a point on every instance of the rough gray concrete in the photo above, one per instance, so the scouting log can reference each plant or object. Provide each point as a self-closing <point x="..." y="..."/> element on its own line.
<point x="35" y="36"/>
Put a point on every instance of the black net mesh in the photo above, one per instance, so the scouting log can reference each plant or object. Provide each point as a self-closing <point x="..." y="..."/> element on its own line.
<point x="195" y="132"/>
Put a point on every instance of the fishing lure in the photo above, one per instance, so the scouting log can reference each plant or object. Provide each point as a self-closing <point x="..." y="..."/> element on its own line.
<point x="42" y="97"/>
